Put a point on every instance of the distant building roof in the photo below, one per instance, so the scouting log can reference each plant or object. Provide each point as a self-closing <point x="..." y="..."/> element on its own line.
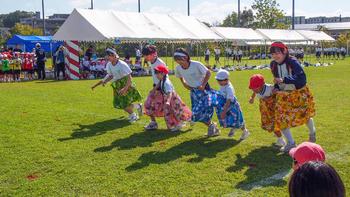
<point x="329" y="26"/>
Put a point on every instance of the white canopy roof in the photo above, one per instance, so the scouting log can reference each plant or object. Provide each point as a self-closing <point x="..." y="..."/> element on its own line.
<point x="315" y="35"/>
<point x="329" y="26"/>
<point x="281" y="35"/>
<point x="99" y="25"/>
<point x="234" y="34"/>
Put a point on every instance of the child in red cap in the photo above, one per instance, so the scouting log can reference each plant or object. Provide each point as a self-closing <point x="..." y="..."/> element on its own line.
<point x="265" y="92"/>
<point x="305" y="152"/>
<point x="175" y="110"/>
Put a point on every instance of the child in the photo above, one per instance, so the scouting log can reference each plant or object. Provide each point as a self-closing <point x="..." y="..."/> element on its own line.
<point x="265" y="92"/>
<point x="6" y="68"/>
<point x="295" y="104"/>
<point x="125" y="93"/>
<point x="175" y="110"/>
<point x="154" y="101"/>
<point x="28" y="66"/>
<point x="227" y="109"/>
<point x="16" y="67"/>
<point x="194" y="77"/>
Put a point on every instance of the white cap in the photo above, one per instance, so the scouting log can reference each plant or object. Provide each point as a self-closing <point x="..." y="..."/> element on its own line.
<point x="222" y="74"/>
<point x="38" y="44"/>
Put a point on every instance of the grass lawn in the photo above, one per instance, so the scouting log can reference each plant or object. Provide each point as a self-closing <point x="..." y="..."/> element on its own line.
<point x="62" y="139"/>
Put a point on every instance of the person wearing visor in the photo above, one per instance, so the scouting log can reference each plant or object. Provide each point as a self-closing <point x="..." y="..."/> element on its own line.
<point x="194" y="77"/>
<point x="124" y="91"/>
<point x="294" y="101"/>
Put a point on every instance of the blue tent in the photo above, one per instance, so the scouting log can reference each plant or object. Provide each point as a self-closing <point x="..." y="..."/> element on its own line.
<point x="27" y="43"/>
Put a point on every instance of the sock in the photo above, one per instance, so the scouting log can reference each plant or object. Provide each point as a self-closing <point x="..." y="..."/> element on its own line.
<point x="310" y="124"/>
<point x="288" y="135"/>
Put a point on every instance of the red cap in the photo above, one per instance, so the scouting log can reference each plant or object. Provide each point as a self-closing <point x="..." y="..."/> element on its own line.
<point x="256" y="81"/>
<point x="307" y="151"/>
<point x="279" y="45"/>
<point x="162" y="68"/>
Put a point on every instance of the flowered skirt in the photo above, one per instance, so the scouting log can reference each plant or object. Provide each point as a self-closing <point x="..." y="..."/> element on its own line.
<point x="120" y="101"/>
<point x="234" y="115"/>
<point x="202" y="106"/>
<point x="154" y="104"/>
<point x="177" y="112"/>
<point x="287" y="109"/>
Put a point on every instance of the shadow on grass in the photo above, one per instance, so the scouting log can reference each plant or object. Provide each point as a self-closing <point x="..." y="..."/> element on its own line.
<point x="266" y="166"/>
<point x="140" y="139"/>
<point x="202" y="148"/>
<point x="98" y="128"/>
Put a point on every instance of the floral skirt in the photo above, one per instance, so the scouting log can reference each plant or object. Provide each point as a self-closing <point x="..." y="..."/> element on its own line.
<point x="177" y="112"/>
<point x="202" y="106"/>
<point x="234" y="115"/>
<point x="287" y="109"/>
<point x="120" y="101"/>
<point x="154" y="104"/>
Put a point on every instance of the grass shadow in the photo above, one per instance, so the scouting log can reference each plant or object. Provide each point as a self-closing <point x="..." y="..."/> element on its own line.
<point x="266" y="167"/>
<point x="140" y="139"/>
<point x="98" y="128"/>
<point x="201" y="147"/>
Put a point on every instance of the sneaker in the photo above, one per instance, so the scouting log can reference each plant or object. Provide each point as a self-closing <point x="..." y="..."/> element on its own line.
<point x="140" y="109"/>
<point x="287" y="147"/>
<point x="232" y="132"/>
<point x="312" y="137"/>
<point x="177" y="128"/>
<point x="133" y="117"/>
<point x="244" y="135"/>
<point x="151" y="126"/>
<point x="280" y="142"/>
<point x="213" y="130"/>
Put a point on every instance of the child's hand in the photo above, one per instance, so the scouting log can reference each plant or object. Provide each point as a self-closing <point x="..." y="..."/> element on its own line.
<point x="201" y="87"/>
<point x="123" y="91"/>
<point x="251" y="100"/>
<point x="223" y="115"/>
<point x="274" y="91"/>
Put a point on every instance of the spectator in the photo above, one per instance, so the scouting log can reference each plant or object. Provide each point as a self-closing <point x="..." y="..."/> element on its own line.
<point x="60" y="63"/>
<point x="40" y="61"/>
<point x="316" y="179"/>
<point x="305" y="152"/>
<point x="89" y="52"/>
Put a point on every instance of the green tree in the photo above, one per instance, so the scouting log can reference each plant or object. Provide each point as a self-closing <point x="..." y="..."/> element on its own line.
<point x="9" y="20"/>
<point x="230" y="20"/>
<point x="343" y="39"/>
<point x="25" y="30"/>
<point x="267" y="14"/>
<point x="247" y="18"/>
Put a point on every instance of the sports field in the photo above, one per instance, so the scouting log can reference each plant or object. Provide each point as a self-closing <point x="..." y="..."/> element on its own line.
<point x="62" y="139"/>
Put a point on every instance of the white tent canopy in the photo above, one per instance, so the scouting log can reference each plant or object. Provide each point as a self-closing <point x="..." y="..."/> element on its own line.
<point x="315" y="35"/>
<point x="99" y="25"/>
<point x="281" y="35"/>
<point x="235" y="34"/>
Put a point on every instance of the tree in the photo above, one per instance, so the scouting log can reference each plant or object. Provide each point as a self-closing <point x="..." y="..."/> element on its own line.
<point x="9" y="20"/>
<point x="267" y="14"/>
<point x="247" y="18"/>
<point x="25" y="30"/>
<point x="230" y="20"/>
<point x="343" y="39"/>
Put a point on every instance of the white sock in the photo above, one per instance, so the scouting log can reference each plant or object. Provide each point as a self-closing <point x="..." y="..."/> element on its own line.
<point x="311" y="125"/>
<point x="288" y="135"/>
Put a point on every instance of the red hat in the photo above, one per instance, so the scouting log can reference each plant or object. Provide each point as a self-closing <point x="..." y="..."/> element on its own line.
<point x="307" y="151"/>
<point x="162" y="68"/>
<point x="256" y="81"/>
<point x="279" y="45"/>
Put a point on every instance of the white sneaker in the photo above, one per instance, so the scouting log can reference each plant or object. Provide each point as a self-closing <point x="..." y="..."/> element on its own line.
<point x="280" y="142"/>
<point x="133" y="118"/>
<point x="287" y="147"/>
<point x="244" y="135"/>
<point x="232" y="132"/>
<point x="177" y="128"/>
<point x="213" y="130"/>
<point x="151" y="126"/>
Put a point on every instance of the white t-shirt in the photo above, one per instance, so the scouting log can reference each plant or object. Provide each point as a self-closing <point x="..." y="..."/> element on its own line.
<point x="283" y="71"/>
<point x="228" y="91"/>
<point x="266" y="91"/>
<point x="168" y="86"/>
<point x="193" y="75"/>
<point x="155" y="64"/>
<point x="138" y="53"/>
<point x="118" y="71"/>
<point x="207" y="52"/>
<point x="217" y="51"/>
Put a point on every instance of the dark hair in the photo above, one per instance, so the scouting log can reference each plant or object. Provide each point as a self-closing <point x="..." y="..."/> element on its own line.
<point x="183" y="51"/>
<point x="149" y="49"/>
<point x="316" y="179"/>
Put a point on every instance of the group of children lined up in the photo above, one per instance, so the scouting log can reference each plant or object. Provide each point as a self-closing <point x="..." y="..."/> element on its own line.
<point x="12" y="65"/>
<point x="92" y="68"/>
<point x="331" y="52"/>
<point x="163" y="101"/>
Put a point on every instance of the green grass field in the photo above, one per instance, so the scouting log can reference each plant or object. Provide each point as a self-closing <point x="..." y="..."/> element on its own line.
<point x="62" y="139"/>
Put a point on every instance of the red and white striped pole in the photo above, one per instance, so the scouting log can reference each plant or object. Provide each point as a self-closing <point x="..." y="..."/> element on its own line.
<point x="72" y="60"/>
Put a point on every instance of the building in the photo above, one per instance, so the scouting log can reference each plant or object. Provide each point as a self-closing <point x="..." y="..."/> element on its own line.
<point x="52" y="23"/>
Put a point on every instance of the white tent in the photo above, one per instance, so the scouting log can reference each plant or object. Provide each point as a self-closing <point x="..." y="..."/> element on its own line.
<point x="239" y="35"/>
<point x="284" y="35"/>
<point x="315" y="35"/>
<point x="329" y="26"/>
<point x="99" y="25"/>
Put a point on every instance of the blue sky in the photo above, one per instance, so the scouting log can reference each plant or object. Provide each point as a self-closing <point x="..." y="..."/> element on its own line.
<point x="206" y="10"/>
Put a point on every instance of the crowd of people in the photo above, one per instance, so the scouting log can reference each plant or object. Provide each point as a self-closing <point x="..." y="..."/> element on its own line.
<point x="285" y="104"/>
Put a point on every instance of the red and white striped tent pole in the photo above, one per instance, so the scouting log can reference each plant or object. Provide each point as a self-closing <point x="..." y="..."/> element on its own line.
<point x="72" y="60"/>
